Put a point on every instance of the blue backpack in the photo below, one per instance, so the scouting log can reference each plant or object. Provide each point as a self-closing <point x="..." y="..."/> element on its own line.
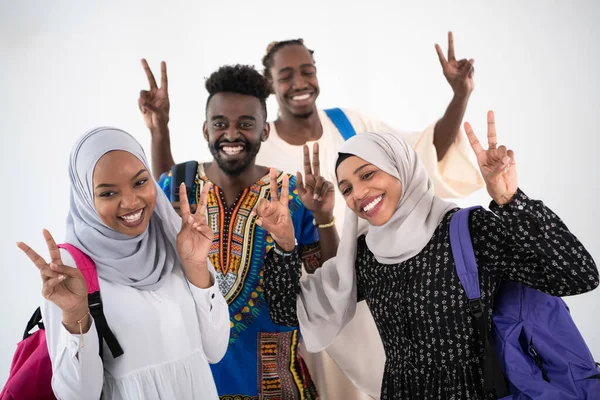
<point x="534" y="350"/>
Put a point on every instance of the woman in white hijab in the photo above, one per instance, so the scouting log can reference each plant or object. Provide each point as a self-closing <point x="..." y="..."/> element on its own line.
<point x="395" y="254"/>
<point x="157" y="286"/>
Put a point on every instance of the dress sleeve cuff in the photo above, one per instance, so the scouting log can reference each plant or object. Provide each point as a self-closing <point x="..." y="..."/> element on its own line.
<point x="457" y="174"/>
<point x="79" y="346"/>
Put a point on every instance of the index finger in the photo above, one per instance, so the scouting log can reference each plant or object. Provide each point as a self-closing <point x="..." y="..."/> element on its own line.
<point x="491" y="122"/>
<point x="164" y="81"/>
<point x="451" y="47"/>
<point x="149" y="74"/>
<point x="52" y="248"/>
<point x="440" y="54"/>
<point x="473" y="139"/>
<point x="315" y="162"/>
<point x="307" y="168"/>
<point x="33" y="256"/>
<point x="184" y="205"/>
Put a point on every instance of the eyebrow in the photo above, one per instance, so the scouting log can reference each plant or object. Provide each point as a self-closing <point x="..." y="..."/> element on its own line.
<point x="215" y="117"/>
<point x="356" y="171"/>
<point x="108" y="185"/>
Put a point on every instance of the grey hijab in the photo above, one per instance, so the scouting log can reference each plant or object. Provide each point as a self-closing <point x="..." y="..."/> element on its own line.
<point x="327" y="299"/>
<point x="143" y="261"/>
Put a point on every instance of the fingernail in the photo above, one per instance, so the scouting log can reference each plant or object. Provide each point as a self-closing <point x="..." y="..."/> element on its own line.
<point x="53" y="266"/>
<point x="258" y="222"/>
<point x="506" y="160"/>
<point x="61" y="277"/>
<point x="315" y="197"/>
<point x="320" y="198"/>
<point x="190" y="219"/>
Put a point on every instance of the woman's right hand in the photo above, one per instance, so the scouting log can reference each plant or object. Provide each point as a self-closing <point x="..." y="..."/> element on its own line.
<point x="62" y="285"/>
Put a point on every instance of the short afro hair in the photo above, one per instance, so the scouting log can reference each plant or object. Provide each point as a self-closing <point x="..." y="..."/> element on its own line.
<point x="241" y="79"/>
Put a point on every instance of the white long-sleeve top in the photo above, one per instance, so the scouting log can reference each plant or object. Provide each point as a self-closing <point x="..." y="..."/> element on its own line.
<point x="169" y="336"/>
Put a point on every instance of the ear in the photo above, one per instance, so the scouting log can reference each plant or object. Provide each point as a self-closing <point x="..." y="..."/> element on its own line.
<point x="266" y="132"/>
<point x="205" y="131"/>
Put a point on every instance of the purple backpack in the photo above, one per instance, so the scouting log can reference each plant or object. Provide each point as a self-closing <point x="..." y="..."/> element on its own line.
<point x="534" y="350"/>
<point x="30" y="374"/>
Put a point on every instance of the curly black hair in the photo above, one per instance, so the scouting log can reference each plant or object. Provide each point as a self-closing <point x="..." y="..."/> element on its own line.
<point x="242" y="79"/>
<point x="273" y="47"/>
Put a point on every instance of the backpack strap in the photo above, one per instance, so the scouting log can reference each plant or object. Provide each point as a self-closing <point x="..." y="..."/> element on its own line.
<point x="494" y="382"/>
<point x="88" y="270"/>
<point x="341" y="122"/>
<point x="183" y="172"/>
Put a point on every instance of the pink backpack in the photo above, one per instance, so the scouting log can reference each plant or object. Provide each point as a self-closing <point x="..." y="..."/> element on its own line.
<point x="31" y="369"/>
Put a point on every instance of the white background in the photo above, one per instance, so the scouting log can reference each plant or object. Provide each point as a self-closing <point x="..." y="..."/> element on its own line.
<point x="66" y="67"/>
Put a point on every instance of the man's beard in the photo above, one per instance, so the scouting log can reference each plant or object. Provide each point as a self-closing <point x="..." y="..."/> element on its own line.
<point x="234" y="168"/>
<point x="304" y="116"/>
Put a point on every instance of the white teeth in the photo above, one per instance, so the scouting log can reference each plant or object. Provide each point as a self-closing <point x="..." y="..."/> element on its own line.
<point x="232" y="150"/>
<point x="302" y="97"/>
<point x="372" y="204"/>
<point x="133" y="217"/>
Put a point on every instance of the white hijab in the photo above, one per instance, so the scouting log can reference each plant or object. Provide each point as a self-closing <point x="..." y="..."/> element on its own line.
<point x="327" y="299"/>
<point x="142" y="261"/>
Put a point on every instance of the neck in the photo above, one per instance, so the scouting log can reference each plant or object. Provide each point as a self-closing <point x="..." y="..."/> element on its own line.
<point x="233" y="185"/>
<point x="298" y="131"/>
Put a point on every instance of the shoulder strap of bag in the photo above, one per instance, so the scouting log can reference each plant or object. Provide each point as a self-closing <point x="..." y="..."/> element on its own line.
<point x="88" y="268"/>
<point x="494" y="382"/>
<point x="341" y="122"/>
<point x="183" y="172"/>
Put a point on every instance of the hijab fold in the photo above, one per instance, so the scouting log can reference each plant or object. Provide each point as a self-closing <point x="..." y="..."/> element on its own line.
<point x="142" y="261"/>
<point x="327" y="299"/>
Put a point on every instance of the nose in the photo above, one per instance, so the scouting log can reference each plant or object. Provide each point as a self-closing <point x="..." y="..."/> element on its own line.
<point x="130" y="201"/>
<point x="359" y="192"/>
<point x="298" y="81"/>
<point x="232" y="134"/>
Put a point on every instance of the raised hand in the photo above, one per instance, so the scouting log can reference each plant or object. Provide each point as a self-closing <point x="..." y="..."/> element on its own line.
<point x="274" y="215"/>
<point x="62" y="285"/>
<point x="497" y="164"/>
<point x="459" y="74"/>
<point x="317" y="194"/>
<point x="196" y="237"/>
<point x="154" y="103"/>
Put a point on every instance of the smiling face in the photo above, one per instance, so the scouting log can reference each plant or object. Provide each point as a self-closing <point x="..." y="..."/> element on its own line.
<point x="235" y="127"/>
<point x="124" y="193"/>
<point x="294" y="80"/>
<point x="369" y="192"/>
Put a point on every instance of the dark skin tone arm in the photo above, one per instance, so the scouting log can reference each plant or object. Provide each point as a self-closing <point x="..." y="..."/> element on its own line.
<point x="154" y="105"/>
<point x="316" y="194"/>
<point x="459" y="75"/>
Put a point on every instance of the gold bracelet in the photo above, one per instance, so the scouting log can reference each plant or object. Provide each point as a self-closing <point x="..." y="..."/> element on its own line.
<point x="80" y="323"/>
<point x="325" y="226"/>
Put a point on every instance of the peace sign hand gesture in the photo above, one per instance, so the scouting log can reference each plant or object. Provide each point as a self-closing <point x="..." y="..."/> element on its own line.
<point x="62" y="285"/>
<point x="154" y="103"/>
<point x="317" y="194"/>
<point x="459" y="74"/>
<point x="274" y="215"/>
<point x="497" y="165"/>
<point x="195" y="237"/>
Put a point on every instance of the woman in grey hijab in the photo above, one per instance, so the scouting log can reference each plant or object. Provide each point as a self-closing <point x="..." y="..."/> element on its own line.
<point x="158" y="289"/>
<point x="395" y="254"/>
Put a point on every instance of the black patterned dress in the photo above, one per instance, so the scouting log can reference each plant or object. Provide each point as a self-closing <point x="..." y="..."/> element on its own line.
<point x="420" y="308"/>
